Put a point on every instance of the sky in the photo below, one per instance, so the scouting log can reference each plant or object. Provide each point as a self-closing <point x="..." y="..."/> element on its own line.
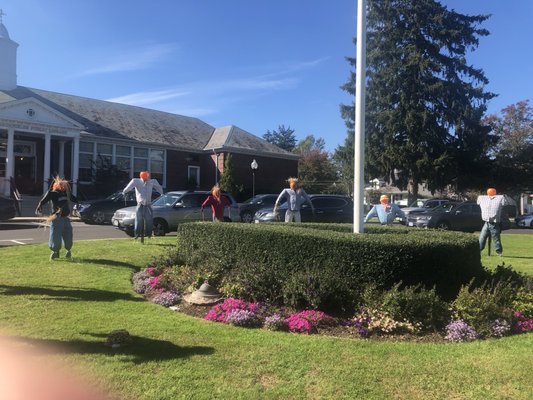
<point x="250" y="63"/>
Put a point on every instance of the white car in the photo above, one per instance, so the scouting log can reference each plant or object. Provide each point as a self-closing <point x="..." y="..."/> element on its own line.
<point x="524" y="221"/>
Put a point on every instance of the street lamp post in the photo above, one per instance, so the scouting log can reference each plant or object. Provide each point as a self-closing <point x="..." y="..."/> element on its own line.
<point x="254" y="167"/>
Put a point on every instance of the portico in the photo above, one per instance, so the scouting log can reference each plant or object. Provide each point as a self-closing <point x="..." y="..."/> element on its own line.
<point x="36" y="143"/>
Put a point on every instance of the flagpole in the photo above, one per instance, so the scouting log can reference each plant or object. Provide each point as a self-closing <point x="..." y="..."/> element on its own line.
<point x="359" y="143"/>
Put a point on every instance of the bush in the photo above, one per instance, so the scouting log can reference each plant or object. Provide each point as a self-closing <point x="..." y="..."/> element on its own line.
<point x="481" y="306"/>
<point x="422" y="307"/>
<point x="325" y="265"/>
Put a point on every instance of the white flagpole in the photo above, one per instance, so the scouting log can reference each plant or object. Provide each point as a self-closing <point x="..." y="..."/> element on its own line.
<point x="359" y="143"/>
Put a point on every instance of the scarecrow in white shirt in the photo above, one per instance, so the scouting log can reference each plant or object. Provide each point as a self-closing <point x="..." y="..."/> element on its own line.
<point x="144" y="219"/>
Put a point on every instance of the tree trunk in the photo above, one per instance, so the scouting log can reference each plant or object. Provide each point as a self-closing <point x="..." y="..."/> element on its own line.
<point x="412" y="191"/>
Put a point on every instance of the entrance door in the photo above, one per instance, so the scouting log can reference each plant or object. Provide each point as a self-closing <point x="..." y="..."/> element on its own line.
<point x="25" y="175"/>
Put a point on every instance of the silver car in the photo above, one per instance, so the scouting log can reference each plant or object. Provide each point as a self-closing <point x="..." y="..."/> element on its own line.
<point x="172" y="209"/>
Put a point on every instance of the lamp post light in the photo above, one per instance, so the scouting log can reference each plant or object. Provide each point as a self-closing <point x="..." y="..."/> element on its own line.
<point x="254" y="167"/>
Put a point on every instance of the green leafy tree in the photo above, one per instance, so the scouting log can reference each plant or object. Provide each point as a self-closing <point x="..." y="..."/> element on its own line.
<point x="227" y="181"/>
<point x="424" y="101"/>
<point x="513" y="152"/>
<point x="283" y="138"/>
<point x="316" y="172"/>
<point x="309" y="143"/>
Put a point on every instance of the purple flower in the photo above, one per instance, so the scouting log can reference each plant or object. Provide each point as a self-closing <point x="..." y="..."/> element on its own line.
<point x="275" y="323"/>
<point x="499" y="328"/>
<point x="140" y="285"/>
<point x="166" y="299"/>
<point x="241" y="318"/>
<point x="460" y="331"/>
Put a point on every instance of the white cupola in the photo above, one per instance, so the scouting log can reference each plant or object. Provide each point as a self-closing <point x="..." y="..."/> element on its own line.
<point x="8" y="59"/>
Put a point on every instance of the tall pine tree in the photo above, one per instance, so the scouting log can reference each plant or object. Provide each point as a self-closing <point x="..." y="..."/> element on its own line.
<point x="424" y="101"/>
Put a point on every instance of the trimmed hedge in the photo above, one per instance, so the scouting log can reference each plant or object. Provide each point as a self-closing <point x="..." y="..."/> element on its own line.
<point x="325" y="265"/>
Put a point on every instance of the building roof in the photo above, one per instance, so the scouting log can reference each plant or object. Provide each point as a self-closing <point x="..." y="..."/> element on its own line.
<point x="232" y="138"/>
<point x="104" y="119"/>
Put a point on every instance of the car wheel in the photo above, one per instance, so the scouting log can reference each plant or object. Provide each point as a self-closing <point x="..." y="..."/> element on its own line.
<point x="130" y="232"/>
<point x="160" y="227"/>
<point x="247" y="216"/>
<point x="531" y="224"/>
<point x="443" y="225"/>
<point x="98" y="217"/>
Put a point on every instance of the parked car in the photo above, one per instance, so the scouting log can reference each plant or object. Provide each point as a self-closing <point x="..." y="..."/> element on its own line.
<point x="172" y="209"/>
<point x="524" y="221"/>
<point x="328" y="208"/>
<point x="418" y="207"/>
<point x="253" y="204"/>
<point x="8" y="208"/>
<point x="101" y="211"/>
<point x="465" y="216"/>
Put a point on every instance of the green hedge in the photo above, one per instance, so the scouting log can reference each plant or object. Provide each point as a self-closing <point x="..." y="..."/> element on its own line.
<point x="325" y="265"/>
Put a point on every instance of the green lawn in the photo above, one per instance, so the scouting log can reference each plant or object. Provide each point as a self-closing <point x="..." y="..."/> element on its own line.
<point x="175" y="356"/>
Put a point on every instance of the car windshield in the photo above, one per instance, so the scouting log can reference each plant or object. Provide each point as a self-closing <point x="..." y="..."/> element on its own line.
<point x="253" y="200"/>
<point x="115" y="196"/>
<point x="166" y="200"/>
<point x="444" y="207"/>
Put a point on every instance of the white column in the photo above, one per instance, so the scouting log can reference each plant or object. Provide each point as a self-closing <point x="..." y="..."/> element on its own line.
<point x="359" y="144"/>
<point x="47" y="157"/>
<point x="62" y="159"/>
<point x="75" y="165"/>
<point x="10" y="159"/>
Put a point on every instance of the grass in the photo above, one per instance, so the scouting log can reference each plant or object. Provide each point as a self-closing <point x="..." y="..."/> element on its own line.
<point x="517" y="253"/>
<point x="174" y="356"/>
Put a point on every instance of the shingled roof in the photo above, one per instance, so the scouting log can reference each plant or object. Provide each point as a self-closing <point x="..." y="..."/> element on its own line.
<point x="234" y="139"/>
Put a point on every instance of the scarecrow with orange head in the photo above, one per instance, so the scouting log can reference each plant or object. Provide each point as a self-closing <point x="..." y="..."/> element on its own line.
<point x="296" y="197"/>
<point x="385" y="211"/>
<point x="62" y="201"/>
<point x="144" y="219"/>
<point x="491" y="212"/>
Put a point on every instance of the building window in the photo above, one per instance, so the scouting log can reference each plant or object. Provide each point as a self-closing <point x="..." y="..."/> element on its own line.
<point x="157" y="162"/>
<point x="104" y="155"/>
<point x="140" y="160"/>
<point x="86" y="161"/>
<point x="122" y="157"/>
<point x="193" y="176"/>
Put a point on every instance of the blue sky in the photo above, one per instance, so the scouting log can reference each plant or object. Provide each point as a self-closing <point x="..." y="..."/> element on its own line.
<point x="254" y="64"/>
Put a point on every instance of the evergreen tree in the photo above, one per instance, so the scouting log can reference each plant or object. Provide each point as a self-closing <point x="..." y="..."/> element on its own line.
<point x="227" y="180"/>
<point x="424" y="101"/>
<point x="283" y="138"/>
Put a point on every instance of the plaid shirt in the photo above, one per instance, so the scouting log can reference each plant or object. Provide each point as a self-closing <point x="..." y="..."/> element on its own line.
<point x="491" y="207"/>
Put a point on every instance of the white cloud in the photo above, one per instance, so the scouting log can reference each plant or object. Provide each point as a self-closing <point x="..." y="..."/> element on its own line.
<point x="132" y="60"/>
<point x="147" y="98"/>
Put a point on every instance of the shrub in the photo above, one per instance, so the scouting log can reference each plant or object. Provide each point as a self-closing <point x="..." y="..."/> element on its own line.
<point x="480" y="306"/>
<point x="460" y="331"/>
<point x="523" y="302"/>
<point x="255" y="261"/>
<point x="422" y="307"/>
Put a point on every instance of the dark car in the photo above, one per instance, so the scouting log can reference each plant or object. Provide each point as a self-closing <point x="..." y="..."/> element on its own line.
<point x="250" y="206"/>
<point x="8" y="208"/>
<point x="101" y="211"/>
<point x="328" y="208"/>
<point x="524" y="221"/>
<point x="426" y="205"/>
<point x="172" y="209"/>
<point x="465" y="216"/>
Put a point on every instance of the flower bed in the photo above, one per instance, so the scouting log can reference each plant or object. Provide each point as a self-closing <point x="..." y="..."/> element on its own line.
<point x="478" y="312"/>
